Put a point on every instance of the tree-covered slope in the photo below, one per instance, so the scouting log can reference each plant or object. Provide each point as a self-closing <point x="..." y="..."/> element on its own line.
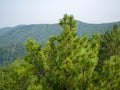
<point x="41" y="32"/>
<point x="12" y="39"/>
<point x="67" y="62"/>
<point x="90" y="29"/>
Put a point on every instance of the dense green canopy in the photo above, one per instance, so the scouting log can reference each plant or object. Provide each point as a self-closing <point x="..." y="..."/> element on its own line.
<point x="67" y="62"/>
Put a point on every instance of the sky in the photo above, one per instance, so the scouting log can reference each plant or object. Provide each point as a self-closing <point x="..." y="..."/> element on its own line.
<point x="16" y="12"/>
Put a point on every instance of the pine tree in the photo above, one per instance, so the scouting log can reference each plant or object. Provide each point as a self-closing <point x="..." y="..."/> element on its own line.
<point x="67" y="62"/>
<point x="110" y="77"/>
<point x="109" y="45"/>
<point x="72" y="59"/>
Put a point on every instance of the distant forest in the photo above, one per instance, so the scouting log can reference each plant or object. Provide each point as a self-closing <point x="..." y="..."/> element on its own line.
<point x="13" y="39"/>
<point x="69" y="59"/>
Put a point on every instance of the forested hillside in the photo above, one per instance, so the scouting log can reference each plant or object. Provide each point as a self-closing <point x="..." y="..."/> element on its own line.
<point x="11" y="37"/>
<point x="42" y="32"/>
<point x="67" y="62"/>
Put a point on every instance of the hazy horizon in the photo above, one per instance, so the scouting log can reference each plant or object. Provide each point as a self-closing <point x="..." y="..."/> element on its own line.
<point x="56" y="23"/>
<point x="17" y="12"/>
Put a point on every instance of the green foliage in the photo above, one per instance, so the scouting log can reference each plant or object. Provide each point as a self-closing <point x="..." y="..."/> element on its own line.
<point x="17" y="36"/>
<point x="33" y="86"/>
<point x="66" y="62"/>
<point x="9" y="53"/>
<point x="110" y="79"/>
<point x="115" y="27"/>
<point x="68" y="22"/>
<point x="16" y="76"/>
<point x="109" y="45"/>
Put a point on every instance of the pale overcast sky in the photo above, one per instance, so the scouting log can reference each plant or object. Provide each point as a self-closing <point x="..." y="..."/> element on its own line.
<point x="15" y="12"/>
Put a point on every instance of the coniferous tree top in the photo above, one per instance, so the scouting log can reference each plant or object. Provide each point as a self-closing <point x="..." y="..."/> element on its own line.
<point x="68" y="22"/>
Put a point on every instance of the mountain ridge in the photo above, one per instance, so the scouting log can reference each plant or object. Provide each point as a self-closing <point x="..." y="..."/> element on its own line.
<point x="42" y="32"/>
<point x="57" y="23"/>
<point x="13" y="39"/>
